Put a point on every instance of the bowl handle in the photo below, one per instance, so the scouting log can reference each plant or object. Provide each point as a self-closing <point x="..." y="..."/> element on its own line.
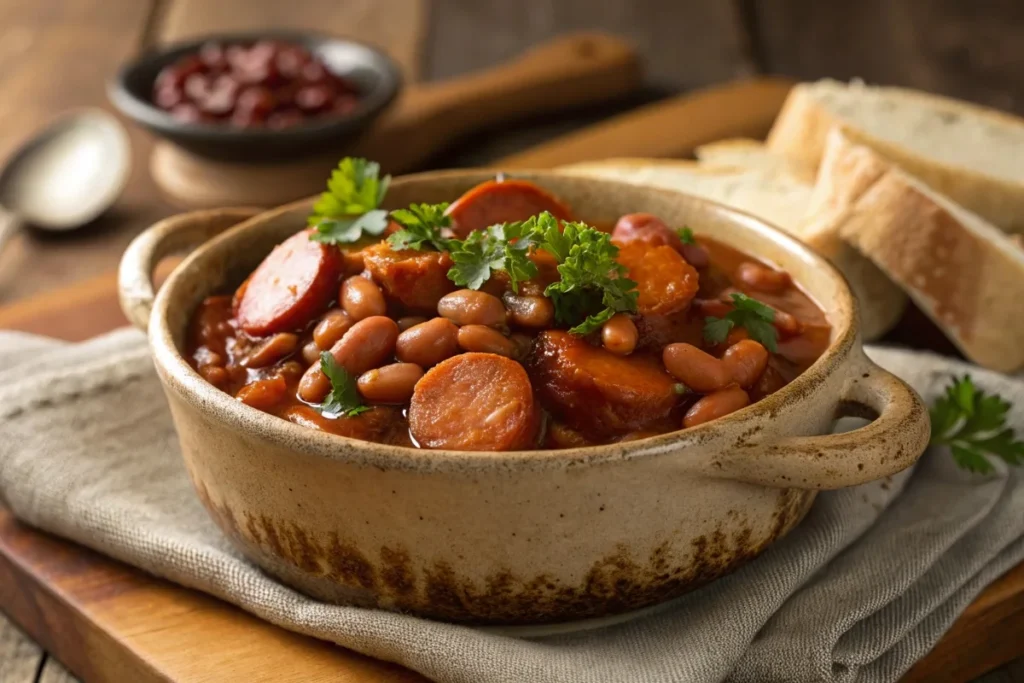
<point x="895" y="439"/>
<point x="184" y="231"/>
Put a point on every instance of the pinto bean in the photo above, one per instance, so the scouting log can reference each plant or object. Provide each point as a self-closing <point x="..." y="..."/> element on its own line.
<point x="529" y="311"/>
<point x="484" y="339"/>
<point x="696" y="255"/>
<point x="619" y="335"/>
<point x="716" y="405"/>
<point x="263" y="394"/>
<point x="214" y="374"/>
<point x="368" y="344"/>
<point x="746" y="361"/>
<point x="696" y="369"/>
<point x="390" y="384"/>
<point x="762" y="278"/>
<point x="272" y="350"/>
<point x="787" y="324"/>
<point x="331" y="328"/>
<point x="428" y="343"/>
<point x="471" y="307"/>
<point x="361" y="298"/>
<point x="311" y="353"/>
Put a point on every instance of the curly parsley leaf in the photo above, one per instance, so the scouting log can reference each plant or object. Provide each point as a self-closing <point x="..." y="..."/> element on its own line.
<point x="349" y="207"/>
<point x="499" y="247"/>
<point x="973" y="425"/>
<point x="750" y="314"/>
<point x="423" y="227"/>
<point x="344" y="399"/>
<point x="593" y="285"/>
<point x="686" y="236"/>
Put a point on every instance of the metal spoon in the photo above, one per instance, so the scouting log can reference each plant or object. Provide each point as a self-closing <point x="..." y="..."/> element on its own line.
<point x="66" y="176"/>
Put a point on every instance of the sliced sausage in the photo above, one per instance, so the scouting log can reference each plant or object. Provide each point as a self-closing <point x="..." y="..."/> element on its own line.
<point x="665" y="281"/>
<point x="368" y="344"/>
<point x="596" y="391"/>
<point x="415" y="279"/>
<point x="291" y="287"/>
<point x="475" y="402"/>
<point x="502" y="201"/>
<point x="375" y="424"/>
<point x="646" y="229"/>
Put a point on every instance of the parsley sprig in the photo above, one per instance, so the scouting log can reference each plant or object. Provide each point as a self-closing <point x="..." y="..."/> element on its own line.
<point x="750" y="314"/>
<point x="349" y="208"/>
<point x="344" y="399"/>
<point x="973" y="425"/>
<point x="686" y="235"/>
<point x="505" y="246"/>
<point x="423" y="227"/>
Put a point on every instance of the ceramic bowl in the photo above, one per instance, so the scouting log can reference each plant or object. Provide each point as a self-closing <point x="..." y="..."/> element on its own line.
<point x="377" y="77"/>
<point x="520" y="537"/>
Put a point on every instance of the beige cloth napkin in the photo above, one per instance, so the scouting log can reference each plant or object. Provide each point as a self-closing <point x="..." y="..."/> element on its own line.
<point x="860" y="590"/>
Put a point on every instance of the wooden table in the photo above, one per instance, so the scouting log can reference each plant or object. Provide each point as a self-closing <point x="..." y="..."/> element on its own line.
<point x="56" y="54"/>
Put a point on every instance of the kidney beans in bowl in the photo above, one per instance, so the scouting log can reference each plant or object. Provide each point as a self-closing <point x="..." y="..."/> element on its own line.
<point x="257" y="97"/>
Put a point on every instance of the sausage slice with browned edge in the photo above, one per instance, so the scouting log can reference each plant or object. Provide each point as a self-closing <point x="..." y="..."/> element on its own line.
<point x="502" y="201"/>
<point x="292" y="286"/>
<point x="475" y="402"/>
<point x="597" y="392"/>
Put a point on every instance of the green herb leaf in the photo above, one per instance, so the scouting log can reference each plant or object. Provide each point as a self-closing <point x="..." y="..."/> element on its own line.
<point x="686" y="236"/>
<point x="423" y="227"/>
<point x="973" y="425"/>
<point x="344" y="399"/>
<point x="342" y="214"/>
<point x="593" y="285"/>
<point x="499" y="247"/>
<point x="350" y="230"/>
<point x="750" y="314"/>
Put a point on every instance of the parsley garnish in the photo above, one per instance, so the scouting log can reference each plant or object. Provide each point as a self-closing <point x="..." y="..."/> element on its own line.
<point x="973" y="425"/>
<point x="686" y="236"/>
<point x="422" y="227"/>
<point x="593" y="285"/>
<point x="349" y="207"/>
<point x="500" y="247"/>
<point x="344" y="399"/>
<point x="749" y="314"/>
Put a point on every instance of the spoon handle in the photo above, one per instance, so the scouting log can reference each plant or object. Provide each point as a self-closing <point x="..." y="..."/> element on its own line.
<point x="10" y="224"/>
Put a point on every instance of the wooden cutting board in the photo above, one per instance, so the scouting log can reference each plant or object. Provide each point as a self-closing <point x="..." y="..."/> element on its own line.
<point x="110" y="622"/>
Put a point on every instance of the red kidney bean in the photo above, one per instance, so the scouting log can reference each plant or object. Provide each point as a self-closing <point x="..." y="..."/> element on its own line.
<point x="746" y="361"/>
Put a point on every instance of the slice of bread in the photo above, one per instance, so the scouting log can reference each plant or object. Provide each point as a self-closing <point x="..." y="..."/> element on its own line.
<point x="962" y="271"/>
<point x="752" y="155"/>
<point x="972" y="154"/>
<point x="778" y="198"/>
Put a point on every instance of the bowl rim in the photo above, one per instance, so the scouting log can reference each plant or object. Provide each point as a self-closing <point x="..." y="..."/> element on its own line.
<point x="146" y="113"/>
<point x="176" y="372"/>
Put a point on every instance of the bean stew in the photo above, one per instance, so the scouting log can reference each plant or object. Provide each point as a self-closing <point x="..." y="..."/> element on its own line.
<point x="499" y="322"/>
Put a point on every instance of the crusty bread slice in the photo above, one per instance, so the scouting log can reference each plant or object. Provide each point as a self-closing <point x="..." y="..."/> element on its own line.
<point x="972" y="154"/>
<point x="962" y="271"/>
<point x="776" y="197"/>
<point x="752" y="155"/>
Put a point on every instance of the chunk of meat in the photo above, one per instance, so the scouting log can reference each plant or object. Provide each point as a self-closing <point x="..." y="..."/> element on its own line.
<point x="376" y="424"/>
<point x="665" y="281"/>
<point x="502" y="201"/>
<point x="595" y="391"/>
<point x="646" y="229"/>
<point x="293" y="285"/>
<point x="415" y="279"/>
<point x="475" y="402"/>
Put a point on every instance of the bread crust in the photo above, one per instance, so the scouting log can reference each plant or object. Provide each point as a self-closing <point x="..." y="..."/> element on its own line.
<point x="801" y="129"/>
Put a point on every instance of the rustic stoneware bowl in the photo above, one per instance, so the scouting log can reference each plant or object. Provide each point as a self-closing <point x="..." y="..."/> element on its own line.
<point x="525" y="537"/>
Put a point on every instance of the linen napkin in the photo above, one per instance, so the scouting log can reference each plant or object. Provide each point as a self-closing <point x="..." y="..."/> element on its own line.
<point x="864" y="587"/>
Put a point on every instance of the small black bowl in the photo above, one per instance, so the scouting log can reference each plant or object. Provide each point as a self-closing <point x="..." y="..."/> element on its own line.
<point x="374" y="74"/>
